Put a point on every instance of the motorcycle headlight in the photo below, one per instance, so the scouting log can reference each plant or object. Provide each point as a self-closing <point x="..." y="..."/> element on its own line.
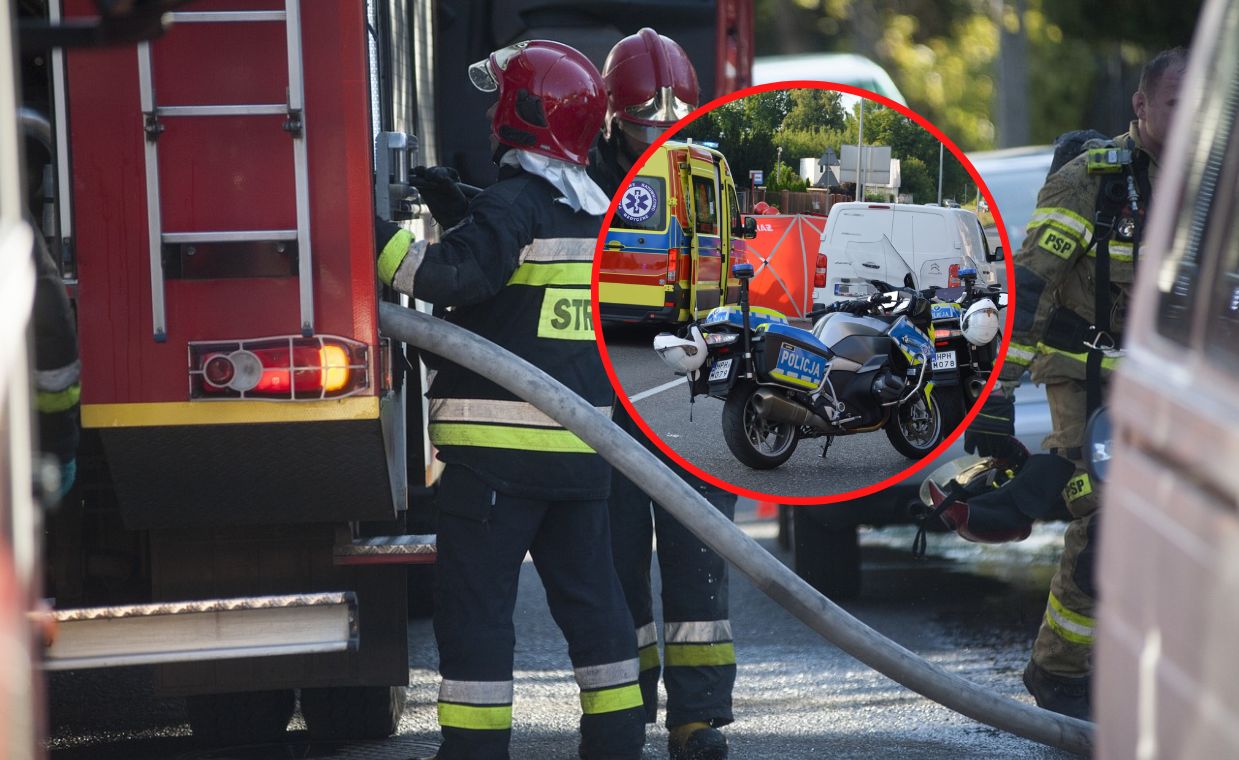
<point x="721" y="339"/>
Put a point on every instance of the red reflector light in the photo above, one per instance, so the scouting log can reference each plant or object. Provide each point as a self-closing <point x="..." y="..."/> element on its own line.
<point x="219" y="371"/>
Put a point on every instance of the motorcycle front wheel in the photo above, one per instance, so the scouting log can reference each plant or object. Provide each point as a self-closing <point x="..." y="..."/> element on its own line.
<point x="756" y="442"/>
<point x="916" y="428"/>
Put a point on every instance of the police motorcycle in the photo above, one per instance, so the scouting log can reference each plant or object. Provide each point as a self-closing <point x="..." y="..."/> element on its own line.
<point x="966" y="343"/>
<point x="864" y="367"/>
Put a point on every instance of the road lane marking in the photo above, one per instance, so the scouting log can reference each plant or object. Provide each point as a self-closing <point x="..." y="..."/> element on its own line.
<point x="654" y="391"/>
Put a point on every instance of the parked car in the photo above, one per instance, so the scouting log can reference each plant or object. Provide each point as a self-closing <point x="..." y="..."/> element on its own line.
<point x="934" y="241"/>
<point x="1166" y="669"/>
<point x="844" y="68"/>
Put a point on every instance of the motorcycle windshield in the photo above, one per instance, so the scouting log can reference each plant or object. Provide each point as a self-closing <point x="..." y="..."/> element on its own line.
<point x="875" y="265"/>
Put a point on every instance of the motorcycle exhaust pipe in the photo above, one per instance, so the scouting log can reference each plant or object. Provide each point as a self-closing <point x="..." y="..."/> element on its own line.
<point x="975" y="386"/>
<point x="775" y="408"/>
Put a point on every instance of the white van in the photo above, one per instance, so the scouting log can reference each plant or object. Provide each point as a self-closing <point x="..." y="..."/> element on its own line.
<point x="935" y="242"/>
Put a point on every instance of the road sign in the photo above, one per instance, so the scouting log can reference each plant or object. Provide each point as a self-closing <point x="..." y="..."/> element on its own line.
<point x="755" y="177"/>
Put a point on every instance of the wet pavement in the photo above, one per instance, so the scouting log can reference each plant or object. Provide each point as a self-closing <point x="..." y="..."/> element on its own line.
<point x="970" y="609"/>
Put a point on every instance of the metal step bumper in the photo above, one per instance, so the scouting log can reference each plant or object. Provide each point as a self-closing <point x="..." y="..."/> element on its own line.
<point x="207" y="629"/>
<point x="388" y="550"/>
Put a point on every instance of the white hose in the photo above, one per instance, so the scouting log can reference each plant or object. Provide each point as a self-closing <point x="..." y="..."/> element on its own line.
<point x="720" y="534"/>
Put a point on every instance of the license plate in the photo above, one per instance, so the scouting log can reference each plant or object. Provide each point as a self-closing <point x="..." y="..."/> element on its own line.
<point x="720" y="370"/>
<point x="846" y="290"/>
<point x="944" y="360"/>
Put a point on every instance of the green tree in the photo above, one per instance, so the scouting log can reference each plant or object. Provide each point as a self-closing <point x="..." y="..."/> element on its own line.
<point x="916" y="180"/>
<point x="814" y="110"/>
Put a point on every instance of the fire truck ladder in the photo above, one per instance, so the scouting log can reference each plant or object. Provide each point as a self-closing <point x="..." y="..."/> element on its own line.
<point x="294" y="125"/>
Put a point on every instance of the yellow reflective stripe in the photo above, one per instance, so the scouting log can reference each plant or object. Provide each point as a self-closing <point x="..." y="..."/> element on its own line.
<point x="648" y="655"/>
<point x="1072" y="626"/>
<point x="532" y="273"/>
<point x="228" y="412"/>
<point x="393" y="254"/>
<point x="700" y="655"/>
<point x="1063" y="218"/>
<point x="1108" y="362"/>
<point x="556" y="440"/>
<point x="611" y="700"/>
<point x="1020" y="354"/>
<point x="1118" y="251"/>
<point x="793" y="379"/>
<point x="50" y="402"/>
<point x="496" y="718"/>
<point x="566" y="314"/>
<point x="1078" y="487"/>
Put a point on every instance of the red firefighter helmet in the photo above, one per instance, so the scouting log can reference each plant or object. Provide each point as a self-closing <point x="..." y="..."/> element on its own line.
<point x="650" y="84"/>
<point x="551" y="98"/>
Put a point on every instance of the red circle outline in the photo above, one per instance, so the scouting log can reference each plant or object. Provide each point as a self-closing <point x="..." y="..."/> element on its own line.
<point x="913" y="468"/>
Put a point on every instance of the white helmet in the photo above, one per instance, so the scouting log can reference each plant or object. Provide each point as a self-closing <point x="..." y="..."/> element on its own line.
<point x="682" y="354"/>
<point x="980" y="323"/>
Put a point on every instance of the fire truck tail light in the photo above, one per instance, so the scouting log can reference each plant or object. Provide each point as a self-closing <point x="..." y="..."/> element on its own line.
<point x="335" y="364"/>
<point x="289" y="368"/>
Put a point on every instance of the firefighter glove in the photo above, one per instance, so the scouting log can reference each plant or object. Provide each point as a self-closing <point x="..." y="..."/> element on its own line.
<point x="439" y="187"/>
<point x="393" y="243"/>
<point x="992" y="433"/>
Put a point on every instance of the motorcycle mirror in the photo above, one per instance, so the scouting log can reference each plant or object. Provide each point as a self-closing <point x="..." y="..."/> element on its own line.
<point x="1002" y="300"/>
<point x="908" y="281"/>
<point x="1098" y="440"/>
<point x="743" y="271"/>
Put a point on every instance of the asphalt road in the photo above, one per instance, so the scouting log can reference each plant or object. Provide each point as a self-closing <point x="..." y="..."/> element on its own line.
<point x="695" y="432"/>
<point x="971" y="609"/>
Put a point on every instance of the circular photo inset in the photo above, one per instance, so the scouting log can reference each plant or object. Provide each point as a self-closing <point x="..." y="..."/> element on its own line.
<point x="801" y="292"/>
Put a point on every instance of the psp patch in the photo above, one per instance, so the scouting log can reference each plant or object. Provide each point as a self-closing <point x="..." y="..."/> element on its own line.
<point x="639" y="203"/>
<point x="1057" y="243"/>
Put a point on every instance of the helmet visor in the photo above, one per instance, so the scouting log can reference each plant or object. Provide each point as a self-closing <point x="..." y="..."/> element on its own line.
<point x="664" y="108"/>
<point x="481" y="78"/>
<point x="641" y="133"/>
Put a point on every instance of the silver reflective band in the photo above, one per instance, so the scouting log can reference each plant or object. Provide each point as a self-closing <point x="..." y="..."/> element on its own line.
<point x="481" y="78"/>
<point x="647" y="635"/>
<point x="609" y="674"/>
<point x="559" y="249"/>
<point x="476" y="692"/>
<point x="698" y="632"/>
<point x="56" y="380"/>
<point x="493" y="411"/>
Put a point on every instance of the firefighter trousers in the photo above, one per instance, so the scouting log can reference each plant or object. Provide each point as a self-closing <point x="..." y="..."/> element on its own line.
<point x="482" y="539"/>
<point x="700" y="658"/>
<point x="1064" y="644"/>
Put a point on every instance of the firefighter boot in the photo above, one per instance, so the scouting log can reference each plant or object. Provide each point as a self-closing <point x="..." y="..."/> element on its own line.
<point x="1067" y="695"/>
<point x="697" y="741"/>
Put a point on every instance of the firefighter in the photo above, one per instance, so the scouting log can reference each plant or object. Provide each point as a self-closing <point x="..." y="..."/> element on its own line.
<point x="1073" y="281"/>
<point x="650" y="85"/>
<point x="517" y="271"/>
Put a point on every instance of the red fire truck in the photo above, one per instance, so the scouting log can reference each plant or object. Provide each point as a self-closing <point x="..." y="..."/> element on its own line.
<point x="254" y="476"/>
